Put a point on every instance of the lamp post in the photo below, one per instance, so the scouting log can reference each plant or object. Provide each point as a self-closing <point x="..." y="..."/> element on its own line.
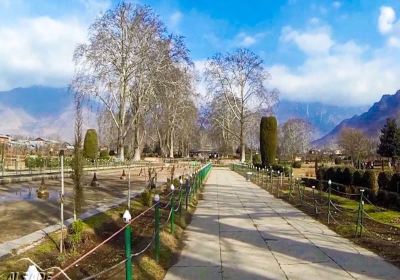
<point x="123" y="177"/>
<point x="128" y="237"/>
<point x="62" y="198"/>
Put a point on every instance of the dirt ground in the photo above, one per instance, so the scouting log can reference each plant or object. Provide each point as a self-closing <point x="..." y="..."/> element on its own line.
<point x="22" y="212"/>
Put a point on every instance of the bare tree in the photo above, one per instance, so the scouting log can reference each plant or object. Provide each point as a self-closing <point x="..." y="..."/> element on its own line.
<point x="127" y="48"/>
<point x="237" y="79"/>
<point x="295" y="137"/>
<point x="355" y="143"/>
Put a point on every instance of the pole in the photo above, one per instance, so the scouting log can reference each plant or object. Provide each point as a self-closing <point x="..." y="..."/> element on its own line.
<point x="329" y="200"/>
<point x="172" y="212"/>
<point x="129" y="187"/>
<point x="62" y="200"/>
<point x="359" y="215"/>
<point x="157" y="227"/>
<point x="315" y="202"/>
<point x="128" y="263"/>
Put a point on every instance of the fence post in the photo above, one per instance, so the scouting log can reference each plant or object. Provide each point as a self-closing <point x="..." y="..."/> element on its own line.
<point x="187" y="190"/>
<point x="180" y="195"/>
<point x="359" y="215"/>
<point x="300" y="193"/>
<point x="315" y="202"/>
<point x="329" y="200"/>
<point x="128" y="239"/>
<point x="157" y="227"/>
<point x="277" y="183"/>
<point x="172" y="209"/>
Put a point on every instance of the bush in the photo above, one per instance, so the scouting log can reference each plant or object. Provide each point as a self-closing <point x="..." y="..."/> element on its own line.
<point x="347" y="176"/>
<point x="394" y="184"/>
<point x="75" y="234"/>
<point x="296" y="164"/>
<point x="330" y="174"/>
<point x="91" y="144"/>
<point x="338" y="161"/>
<point x="338" y="176"/>
<point x="104" y="155"/>
<point x="321" y="173"/>
<point x="257" y="160"/>
<point x="146" y="197"/>
<point x="384" y="179"/>
<point x="358" y="178"/>
<point x="370" y="182"/>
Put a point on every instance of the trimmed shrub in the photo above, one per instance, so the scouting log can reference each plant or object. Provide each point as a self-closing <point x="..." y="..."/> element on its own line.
<point x="321" y="173"/>
<point x="257" y="160"/>
<point x="358" y="178"/>
<point x="338" y="176"/>
<point x="146" y="197"/>
<point x="104" y="155"/>
<point x="91" y="144"/>
<point x="347" y="176"/>
<point x="268" y="140"/>
<point x="330" y="174"/>
<point x="296" y="164"/>
<point x="384" y="179"/>
<point x="338" y="161"/>
<point x="394" y="184"/>
<point x="370" y="182"/>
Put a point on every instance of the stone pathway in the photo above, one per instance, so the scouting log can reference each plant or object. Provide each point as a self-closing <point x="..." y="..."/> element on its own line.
<point x="240" y="231"/>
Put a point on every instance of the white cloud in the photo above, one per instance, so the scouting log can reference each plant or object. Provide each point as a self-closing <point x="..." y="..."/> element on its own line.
<point x="38" y="51"/>
<point x="389" y="26"/>
<point x="175" y="19"/>
<point x="386" y="20"/>
<point x="340" y="73"/>
<point x="314" y="42"/>
<point x="246" y="40"/>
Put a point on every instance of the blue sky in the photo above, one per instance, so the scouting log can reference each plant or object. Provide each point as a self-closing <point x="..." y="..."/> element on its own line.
<point x="327" y="51"/>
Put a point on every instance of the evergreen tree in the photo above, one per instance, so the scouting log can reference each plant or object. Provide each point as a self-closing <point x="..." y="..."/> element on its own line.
<point x="389" y="145"/>
<point x="91" y="144"/>
<point x="268" y="140"/>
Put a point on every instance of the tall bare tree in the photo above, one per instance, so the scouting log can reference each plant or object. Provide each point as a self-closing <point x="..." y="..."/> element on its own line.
<point x="237" y="80"/>
<point x="126" y="52"/>
<point x="295" y="138"/>
<point x="355" y="143"/>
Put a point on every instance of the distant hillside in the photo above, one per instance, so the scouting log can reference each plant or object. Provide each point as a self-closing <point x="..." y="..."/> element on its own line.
<point x="370" y="122"/>
<point x="37" y="101"/>
<point x="322" y="117"/>
<point x="40" y="111"/>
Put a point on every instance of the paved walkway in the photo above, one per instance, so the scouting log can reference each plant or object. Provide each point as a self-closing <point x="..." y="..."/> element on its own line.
<point x="240" y="231"/>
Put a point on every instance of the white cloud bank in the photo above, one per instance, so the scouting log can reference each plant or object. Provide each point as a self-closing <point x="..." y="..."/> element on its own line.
<point x="335" y="72"/>
<point x="38" y="51"/>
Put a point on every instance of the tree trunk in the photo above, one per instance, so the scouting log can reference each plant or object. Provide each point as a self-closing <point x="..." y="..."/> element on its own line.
<point x="121" y="150"/>
<point x="137" y="154"/>
<point x="242" y="145"/>
<point x="136" y="145"/>
<point x="171" y="145"/>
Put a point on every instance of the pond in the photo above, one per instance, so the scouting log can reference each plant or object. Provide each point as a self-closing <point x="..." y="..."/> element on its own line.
<point x="28" y="193"/>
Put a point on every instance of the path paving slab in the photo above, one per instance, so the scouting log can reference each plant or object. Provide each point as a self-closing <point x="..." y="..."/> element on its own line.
<point x="239" y="231"/>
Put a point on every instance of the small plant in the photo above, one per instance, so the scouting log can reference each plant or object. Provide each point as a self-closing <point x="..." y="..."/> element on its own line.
<point x="75" y="234"/>
<point x="146" y="198"/>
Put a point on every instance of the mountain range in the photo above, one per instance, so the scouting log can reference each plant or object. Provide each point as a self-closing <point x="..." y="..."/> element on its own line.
<point x="48" y="111"/>
<point x="39" y="111"/>
<point x="370" y="122"/>
<point x="322" y="117"/>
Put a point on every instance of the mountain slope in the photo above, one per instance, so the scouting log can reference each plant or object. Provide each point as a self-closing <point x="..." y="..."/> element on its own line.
<point x="369" y="122"/>
<point x="37" y="101"/>
<point x="40" y="111"/>
<point x="321" y="116"/>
